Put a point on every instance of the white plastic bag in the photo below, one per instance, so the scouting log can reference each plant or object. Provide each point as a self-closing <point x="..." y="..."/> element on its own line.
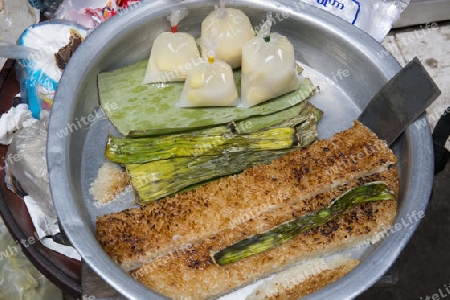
<point x="231" y="28"/>
<point x="268" y="67"/>
<point x="87" y="13"/>
<point x="15" y="16"/>
<point x="19" y="279"/>
<point x="373" y="16"/>
<point x="173" y="53"/>
<point x="27" y="163"/>
<point x="14" y="119"/>
<point x="211" y="83"/>
<point x="38" y="72"/>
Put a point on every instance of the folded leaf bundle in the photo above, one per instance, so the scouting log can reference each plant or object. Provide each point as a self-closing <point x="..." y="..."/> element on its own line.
<point x="246" y="135"/>
<point x="143" y="150"/>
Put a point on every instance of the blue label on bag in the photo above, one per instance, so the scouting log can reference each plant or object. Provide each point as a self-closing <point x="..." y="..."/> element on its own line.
<point x="346" y="9"/>
<point x="333" y="3"/>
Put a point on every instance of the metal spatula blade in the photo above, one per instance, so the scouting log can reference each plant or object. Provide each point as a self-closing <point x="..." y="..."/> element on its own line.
<point x="400" y="102"/>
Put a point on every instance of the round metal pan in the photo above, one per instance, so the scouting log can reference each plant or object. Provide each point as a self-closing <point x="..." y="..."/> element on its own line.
<point x="348" y="65"/>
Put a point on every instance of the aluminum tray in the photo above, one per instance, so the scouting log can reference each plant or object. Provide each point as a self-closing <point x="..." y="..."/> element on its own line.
<point x="348" y="65"/>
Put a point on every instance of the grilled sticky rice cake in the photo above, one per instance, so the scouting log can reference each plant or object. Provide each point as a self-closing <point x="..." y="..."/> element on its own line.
<point x="189" y="272"/>
<point x="167" y="243"/>
<point x="305" y="278"/>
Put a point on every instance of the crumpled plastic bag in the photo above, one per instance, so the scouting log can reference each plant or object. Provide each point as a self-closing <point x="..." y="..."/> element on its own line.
<point x="27" y="162"/>
<point x="19" y="279"/>
<point x="15" y="16"/>
<point x="268" y="67"/>
<point x="16" y="118"/>
<point x="91" y="13"/>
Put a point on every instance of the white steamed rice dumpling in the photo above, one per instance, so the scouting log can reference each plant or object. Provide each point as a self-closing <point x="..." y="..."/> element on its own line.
<point x="268" y="67"/>
<point x="211" y="83"/>
<point x="171" y="52"/>
<point x="232" y="28"/>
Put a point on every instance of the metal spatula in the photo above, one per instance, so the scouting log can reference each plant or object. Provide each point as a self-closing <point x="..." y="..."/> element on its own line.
<point x="400" y="101"/>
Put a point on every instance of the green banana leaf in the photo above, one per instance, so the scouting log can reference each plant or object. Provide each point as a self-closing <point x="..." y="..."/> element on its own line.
<point x="146" y="110"/>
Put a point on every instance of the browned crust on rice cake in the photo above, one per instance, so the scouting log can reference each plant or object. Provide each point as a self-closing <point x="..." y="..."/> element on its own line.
<point x="190" y="273"/>
<point x="313" y="283"/>
<point x="139" y="235"/>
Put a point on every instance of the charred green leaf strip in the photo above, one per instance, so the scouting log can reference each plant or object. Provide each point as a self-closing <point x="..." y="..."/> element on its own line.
<point x="374" y="191"/>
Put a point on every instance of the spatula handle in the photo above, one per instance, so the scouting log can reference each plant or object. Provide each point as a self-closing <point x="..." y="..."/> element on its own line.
<point x="400" y="101"/>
